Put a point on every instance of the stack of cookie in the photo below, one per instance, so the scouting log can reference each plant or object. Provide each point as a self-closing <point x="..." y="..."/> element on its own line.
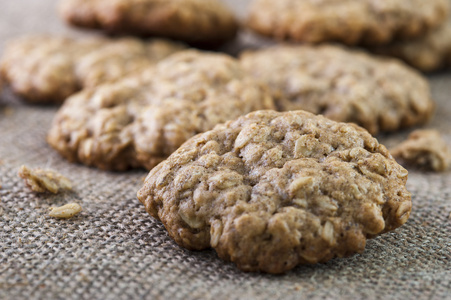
<point x="267" y="190"/>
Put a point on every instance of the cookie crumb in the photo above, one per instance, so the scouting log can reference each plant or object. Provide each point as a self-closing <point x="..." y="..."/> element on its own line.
<point x="66" y="211"/>
<point x="41" y="181"/>
<point x="424" y="149"/>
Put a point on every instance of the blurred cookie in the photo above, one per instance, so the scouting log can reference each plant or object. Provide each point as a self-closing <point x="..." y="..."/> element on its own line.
<point x="344" y="85"/>
<point x="44" y="69"/>
<point x="272" y="190"/>
<point x="428" y="53"/>
<point x="346" y="21"/>
<point x="194" y="21"/>
<point x="424" y="149"/>
<point x="139" y="121"/>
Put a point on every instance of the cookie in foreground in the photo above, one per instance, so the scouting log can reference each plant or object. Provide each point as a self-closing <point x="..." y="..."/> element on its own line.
<point x="347" y="21"/>
<point x="139" y="121"/>
<point x="48" y="69"/>
<point x="270" y="190"/>
<point x="208" y="22"/>
<point x="345" y="85"/>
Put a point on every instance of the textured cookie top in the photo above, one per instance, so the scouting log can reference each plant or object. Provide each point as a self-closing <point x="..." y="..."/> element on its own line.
<point x="346" y="21"/>
<point x="427" y="53"/>
<point x="272" y="190"/>
<point x="49" y="69"/>
<point x="139" y="121"/>
<point x="194" y="21"/>
<point x="344" y="85"/>
<point x="424" y="149"/>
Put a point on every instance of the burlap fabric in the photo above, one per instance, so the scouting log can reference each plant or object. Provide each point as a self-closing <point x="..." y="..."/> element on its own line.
<point x="115" y="250"/>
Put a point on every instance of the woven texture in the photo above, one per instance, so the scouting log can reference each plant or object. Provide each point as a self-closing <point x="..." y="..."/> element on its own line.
<point x="114" y="250"/>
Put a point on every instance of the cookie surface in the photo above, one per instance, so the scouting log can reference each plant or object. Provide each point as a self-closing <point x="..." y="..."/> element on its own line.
<point x="347" y="21"/>
<point x="45" y="69"/>
<point x="272" y="190"/>
<point x="344" y="85"/>
<point x="139" y="121"/>
<point x="424" y="149"/>
<point x="194" y="21"/>
<point x="429" y="53"/>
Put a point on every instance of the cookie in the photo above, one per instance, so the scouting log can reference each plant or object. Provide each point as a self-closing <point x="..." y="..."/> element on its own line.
<point x="46" y="69"/>
<point x="428" y="53"/>
<point x="272" y="190"/>
<point x="344" y="85"/>
<point x="424" y="149"/>
<point x="194" y="21"/>
<point x="347" y="21"/>
<point x="139" y="121"/>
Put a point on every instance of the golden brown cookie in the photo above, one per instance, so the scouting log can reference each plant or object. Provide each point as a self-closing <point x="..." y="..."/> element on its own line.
<point x="194" y="21"/>
<point x="427" y="53"/>
<point x="272" y="190"/>
<point x="424" y="149"/>
<point x="347" y="21"/>
<point x="344" y="85"/>
<point x="45" y="69"/>
<point x="139" y="121"/>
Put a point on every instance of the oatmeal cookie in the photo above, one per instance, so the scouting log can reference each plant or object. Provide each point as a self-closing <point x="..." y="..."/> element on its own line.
<point x="428" y="53"/>
<point x="46" y="69"/>
<point x="424" y="149"/>
<point x="343" y="85"/>
<point x="139" y="121"/>
<point x="272" y="190"/>
<point x="193" y="21"/>
<point x="347" y="21"/>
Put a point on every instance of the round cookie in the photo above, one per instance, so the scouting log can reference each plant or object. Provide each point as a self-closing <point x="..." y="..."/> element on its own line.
<point x="346" y="21"/>
<point x="207" y="22"/>
<point x="139" y="121"/>
<point x="272" y="190"/>
<point x="47" y="69"/>
<point x="428" y="53"/>
<point x="344" y="85"/>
